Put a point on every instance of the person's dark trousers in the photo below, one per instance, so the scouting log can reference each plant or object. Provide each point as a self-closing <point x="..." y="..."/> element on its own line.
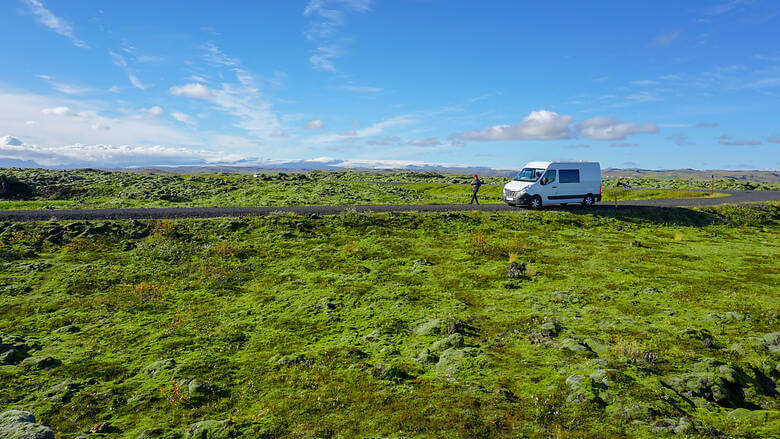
<point x="474" y="198"/>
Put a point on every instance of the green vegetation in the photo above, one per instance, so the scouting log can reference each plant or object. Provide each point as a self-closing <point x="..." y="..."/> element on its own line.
<point x="637" y="323"/>
<point x="685" y="183"/>
<point x="101" y="189"/>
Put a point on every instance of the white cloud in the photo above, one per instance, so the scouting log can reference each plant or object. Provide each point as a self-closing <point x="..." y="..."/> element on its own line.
<point x="538" y="125"/>
<point x="183" y="118"/>
<point x="154" y="111"/>
<point x="457" y="143"/>
<point x="192" y="90"/>
<point x="608" y="128"/>
<point x="350" y="133"/>
<point x="10" y="141"/>
<point x="623" y="144"/>
<point x="773" y="139"/>
<point x="315" y="125"/>
<point x="99" y="155"/>
<point x="577" y="146"/>
<point x="277" y="133"/>
<point x="59" y="121"/>
<point x="431" y="141"/>
<point x="707" y="124"/>
<point x="56" y="24"/>
<point x="665" y="39"/>
<point x="100" y="126"/>
<point x="59" y="111"/>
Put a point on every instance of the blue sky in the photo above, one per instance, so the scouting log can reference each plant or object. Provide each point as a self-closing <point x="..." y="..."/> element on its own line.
<point x="662" y="84"/>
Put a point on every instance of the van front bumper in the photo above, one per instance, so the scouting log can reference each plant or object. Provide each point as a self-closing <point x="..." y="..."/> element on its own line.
<point x="519" y="200"/>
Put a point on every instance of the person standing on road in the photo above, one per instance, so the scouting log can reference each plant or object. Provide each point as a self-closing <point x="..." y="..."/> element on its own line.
<point x="475" y="184"/>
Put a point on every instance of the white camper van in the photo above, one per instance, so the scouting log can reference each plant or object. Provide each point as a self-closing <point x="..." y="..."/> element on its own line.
<point x="544" y="183"/>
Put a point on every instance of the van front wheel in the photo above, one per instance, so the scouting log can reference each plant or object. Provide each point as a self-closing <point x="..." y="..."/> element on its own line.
<point x="588" y="200"/>
<point x="535" y="203"/>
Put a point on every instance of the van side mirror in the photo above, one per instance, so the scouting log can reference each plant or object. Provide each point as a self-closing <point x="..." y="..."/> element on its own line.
<point x="544" y="181"/>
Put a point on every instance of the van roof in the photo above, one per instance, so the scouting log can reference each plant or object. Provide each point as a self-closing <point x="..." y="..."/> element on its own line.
<point x="546" y="164"/>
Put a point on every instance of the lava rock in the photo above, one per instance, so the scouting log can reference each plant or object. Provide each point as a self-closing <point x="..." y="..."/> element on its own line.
<point x="41" y="362"/>
<point x="546" y="332"/>
<point x="159" y="366"/>
<point x="515" y="270"/>
<point x="452" y="341"/>
<point x="430" y="327"/>
<point x="62" y="392"/>
<point x="210" y="429"/>
<point x="67" y="329"/>
<point x="713" y="381"/>
<point x="18" y="424"/>
<point x="427" y="357"/>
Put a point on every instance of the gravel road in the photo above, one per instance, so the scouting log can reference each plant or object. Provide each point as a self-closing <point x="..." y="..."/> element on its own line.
<point x="213" y="212"/>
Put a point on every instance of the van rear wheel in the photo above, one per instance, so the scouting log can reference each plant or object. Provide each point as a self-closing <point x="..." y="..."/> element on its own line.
<point x="535" y="203"/>
<point x="588" y="200"/>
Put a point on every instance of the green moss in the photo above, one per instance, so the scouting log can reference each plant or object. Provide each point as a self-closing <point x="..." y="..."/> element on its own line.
<point x="396" y="324"/>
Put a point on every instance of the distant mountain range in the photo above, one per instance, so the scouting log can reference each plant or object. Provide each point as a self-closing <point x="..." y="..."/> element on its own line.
<point x="328" y="164"/>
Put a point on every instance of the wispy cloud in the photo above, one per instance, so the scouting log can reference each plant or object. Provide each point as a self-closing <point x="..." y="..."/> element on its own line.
<point x="360" y="88"/>
<point x="645" y="82"/>
<point x="609" y="128"/>
<point x="121" y="62"/>
<point x="577" y="146"/>
<point x="666" y="39"/>
<point x="623" y="145"/>
<point x="432" y="141"/>
<point x="726" y="7"/>
<point x="136" y="82"/>
<point x="327" y="19"/>
<point x="764" y="83"/>
<point x="729" y="141"/>
<point x="680" y="139"/>
<point x="707" y="125"/>
<point x="773" y="139"/>
<point x="62" y="87"/>
<point x="216" y="56"/>
<point x="56" y="24"/>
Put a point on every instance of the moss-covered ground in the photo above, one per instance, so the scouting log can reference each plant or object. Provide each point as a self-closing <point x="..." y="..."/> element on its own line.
<point x="643" y="323"/>
<point x="83" y="189"/>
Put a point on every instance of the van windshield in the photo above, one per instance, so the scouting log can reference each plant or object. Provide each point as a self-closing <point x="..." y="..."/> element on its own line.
<point x="529" y="174"/>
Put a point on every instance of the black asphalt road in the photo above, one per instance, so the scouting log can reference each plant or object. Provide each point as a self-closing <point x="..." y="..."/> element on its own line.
<point x="213" y="212"/>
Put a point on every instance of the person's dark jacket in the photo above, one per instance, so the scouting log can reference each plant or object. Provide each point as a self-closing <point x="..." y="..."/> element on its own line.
<point x="476" y="183"/>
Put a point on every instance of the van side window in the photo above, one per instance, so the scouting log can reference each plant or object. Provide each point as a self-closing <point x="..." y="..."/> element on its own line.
<point x="550" y="176"/>
<point x="570" y="175"/>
